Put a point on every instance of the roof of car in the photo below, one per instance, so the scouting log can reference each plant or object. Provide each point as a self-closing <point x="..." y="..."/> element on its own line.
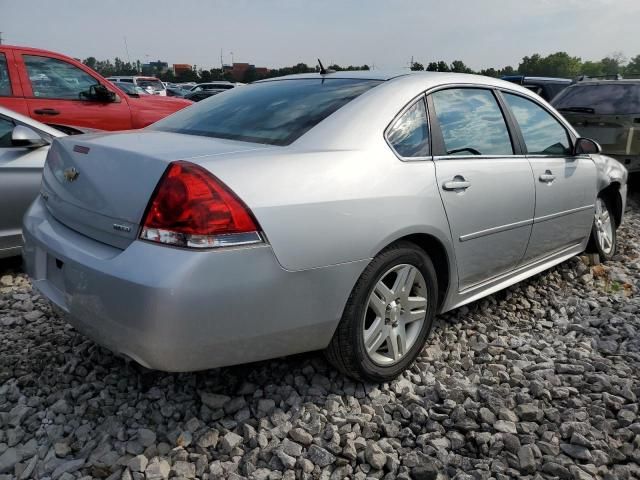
<point x="609" y="81"/>
<point x="354" y="74"/>
<point x="527" y="78"/>
<point x="421" y="79"/>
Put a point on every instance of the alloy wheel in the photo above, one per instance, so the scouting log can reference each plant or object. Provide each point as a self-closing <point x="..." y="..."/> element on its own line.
<point x="395" y="313"/>
<point x="604" y="227"/>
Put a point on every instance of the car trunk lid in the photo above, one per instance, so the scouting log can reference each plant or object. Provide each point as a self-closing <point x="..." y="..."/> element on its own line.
<point x="100" y="185"/>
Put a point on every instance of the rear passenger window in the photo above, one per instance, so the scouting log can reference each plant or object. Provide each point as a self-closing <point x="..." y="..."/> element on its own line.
<point x="471" y="122"/>
<point x="409" y="134"/>
<point x="543" y="134"/>
<point x="5" y="83"/>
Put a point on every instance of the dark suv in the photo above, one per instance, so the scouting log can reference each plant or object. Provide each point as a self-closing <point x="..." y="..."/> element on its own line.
<point x="609" y="112"/>
<point x="546" y="87"/>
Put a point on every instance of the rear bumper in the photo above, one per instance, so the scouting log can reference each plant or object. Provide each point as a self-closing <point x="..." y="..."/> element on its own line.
<point x="178" y="310"/>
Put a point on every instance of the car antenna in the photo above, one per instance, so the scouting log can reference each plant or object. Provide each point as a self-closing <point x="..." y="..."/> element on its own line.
<point x="324" y="71"/>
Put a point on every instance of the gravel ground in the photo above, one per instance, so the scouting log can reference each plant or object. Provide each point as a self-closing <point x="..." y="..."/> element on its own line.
<point x="538" y="381"/>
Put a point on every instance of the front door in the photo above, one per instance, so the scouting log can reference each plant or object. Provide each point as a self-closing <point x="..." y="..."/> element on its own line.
<point x="55" y="98"/>
<point x="565" y="184"/>
<point x="486" y="189"/>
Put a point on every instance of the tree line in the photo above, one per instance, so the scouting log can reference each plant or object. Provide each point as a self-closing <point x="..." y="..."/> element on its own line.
<point x="559" y="64"/>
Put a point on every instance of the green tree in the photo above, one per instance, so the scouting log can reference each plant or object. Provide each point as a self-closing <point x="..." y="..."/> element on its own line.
<point x="559" y="64"/>
<point x="489" y="72"/>
<point x="459" y="67"/>
<point x="633" y="67"/>
<point x="432" y="67"/>
<point x="612" y="65"/>
<point x="416" y="67"/>
<point x="592" y="69"/>
<point x="90" y="62"/>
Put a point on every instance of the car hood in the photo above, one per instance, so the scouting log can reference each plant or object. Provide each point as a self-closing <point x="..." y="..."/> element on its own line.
<point x="154" y="102"/>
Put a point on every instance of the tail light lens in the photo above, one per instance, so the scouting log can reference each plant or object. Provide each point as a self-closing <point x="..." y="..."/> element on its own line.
<point x="192" y="208"/>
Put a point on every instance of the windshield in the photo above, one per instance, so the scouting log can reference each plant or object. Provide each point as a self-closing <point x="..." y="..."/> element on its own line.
<point x="154" y="84"/>
<point x="606" y="98"/>
<point x="275" y="113"/>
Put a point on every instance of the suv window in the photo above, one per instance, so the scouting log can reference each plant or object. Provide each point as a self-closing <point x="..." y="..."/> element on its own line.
<point x="603" y="98"/>
<point x="5" y="83"/>
<point x="53" y="78"/>
<point x="543" y="134"/>
<point x="471" y="122"/>
<point x="6" y="129"/>
<point x="409" y="134"/>
<point x="276" y="112"/>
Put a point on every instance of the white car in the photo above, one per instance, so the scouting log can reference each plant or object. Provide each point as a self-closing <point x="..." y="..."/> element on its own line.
<point x="150" y="84"/>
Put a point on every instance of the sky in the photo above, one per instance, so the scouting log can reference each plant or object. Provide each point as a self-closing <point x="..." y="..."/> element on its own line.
<point x="276" y="33"/>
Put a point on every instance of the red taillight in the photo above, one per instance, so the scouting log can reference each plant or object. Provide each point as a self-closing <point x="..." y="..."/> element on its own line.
<point x="192" y="208"/>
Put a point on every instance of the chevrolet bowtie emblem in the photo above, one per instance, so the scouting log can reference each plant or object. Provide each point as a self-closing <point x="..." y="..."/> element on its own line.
<point x="71" y="174"/>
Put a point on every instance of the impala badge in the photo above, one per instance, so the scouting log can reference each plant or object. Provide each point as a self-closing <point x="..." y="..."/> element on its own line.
<point x="71" y="174"/>
<point x="121" y="228"/>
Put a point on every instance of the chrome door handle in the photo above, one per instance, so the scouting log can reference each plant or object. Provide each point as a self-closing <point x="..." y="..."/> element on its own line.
<point x="458" y="183"/>
<point x="547" y="177"/>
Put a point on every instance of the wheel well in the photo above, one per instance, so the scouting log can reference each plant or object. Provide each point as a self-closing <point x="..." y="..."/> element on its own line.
<point x="612" y="194"/>
<point x="438" y="255"/>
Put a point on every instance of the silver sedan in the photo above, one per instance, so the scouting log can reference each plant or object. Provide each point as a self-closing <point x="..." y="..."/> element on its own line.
<point x="337" y="211"/>
<point x="24" y="144"/>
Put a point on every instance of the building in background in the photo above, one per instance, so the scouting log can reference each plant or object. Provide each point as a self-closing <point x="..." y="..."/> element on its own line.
<point x="242" y="72"/>
<point x="179" y="68"/>
<point x="155" y="68"/>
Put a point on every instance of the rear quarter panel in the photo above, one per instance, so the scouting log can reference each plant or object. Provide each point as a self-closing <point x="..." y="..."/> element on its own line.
<point x="320" y="208"/>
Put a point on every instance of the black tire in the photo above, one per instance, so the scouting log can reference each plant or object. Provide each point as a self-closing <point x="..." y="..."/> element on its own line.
<point x="347" y="351"/>
<point x="594" y="245"/>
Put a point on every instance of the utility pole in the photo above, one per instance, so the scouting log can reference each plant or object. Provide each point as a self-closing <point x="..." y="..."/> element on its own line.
<point x="221" y="61"/>
<point x="126" y="47"/>
<point x="0" y="38"/>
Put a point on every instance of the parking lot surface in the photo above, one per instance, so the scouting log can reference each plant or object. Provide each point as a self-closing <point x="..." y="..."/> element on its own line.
<point x="537" y="381"/>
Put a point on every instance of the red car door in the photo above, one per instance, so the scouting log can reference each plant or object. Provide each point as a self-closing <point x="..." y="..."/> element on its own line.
<point x="10" y="89"/>
<point x="53" y="87"/>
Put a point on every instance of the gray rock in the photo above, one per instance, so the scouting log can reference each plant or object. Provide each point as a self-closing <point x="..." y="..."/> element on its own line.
<point x="146" y="437"/>
<point x="505" y="426"/>
<point x="229" y="442"/>
<point x="8" y="459"/>
<point x="301" y="436"/>
<point x="157" y="469"/>
<point x="576" y="451"/>
<point x="67" y="467"/>
<point x="213" y="400"/>
<point x="319" y="456"/>
<point x="138" y="463"/>
<point x="375" y="456"/>
<point x="527" y="459"/>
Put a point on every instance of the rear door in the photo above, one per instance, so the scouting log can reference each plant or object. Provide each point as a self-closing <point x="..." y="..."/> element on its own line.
<point x="52" y="90"/>
<point x="565" y="184"/>
<point x="11" y="95"/>
<point x="486" y="186"/>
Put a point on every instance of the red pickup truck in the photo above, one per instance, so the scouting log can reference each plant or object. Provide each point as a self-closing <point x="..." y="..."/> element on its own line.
<point x="60" y="91"/>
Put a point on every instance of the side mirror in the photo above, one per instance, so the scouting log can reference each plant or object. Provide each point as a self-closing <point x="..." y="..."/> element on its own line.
<point x="99" y="93"/>
<point x="586" y="146"/>
<point x="22" y="136"/>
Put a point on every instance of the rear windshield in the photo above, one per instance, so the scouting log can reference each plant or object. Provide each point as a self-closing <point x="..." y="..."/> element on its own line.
<point x="155" y="84"/>
<point x="275" y="113"/>
<point x="602" y="99"/>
